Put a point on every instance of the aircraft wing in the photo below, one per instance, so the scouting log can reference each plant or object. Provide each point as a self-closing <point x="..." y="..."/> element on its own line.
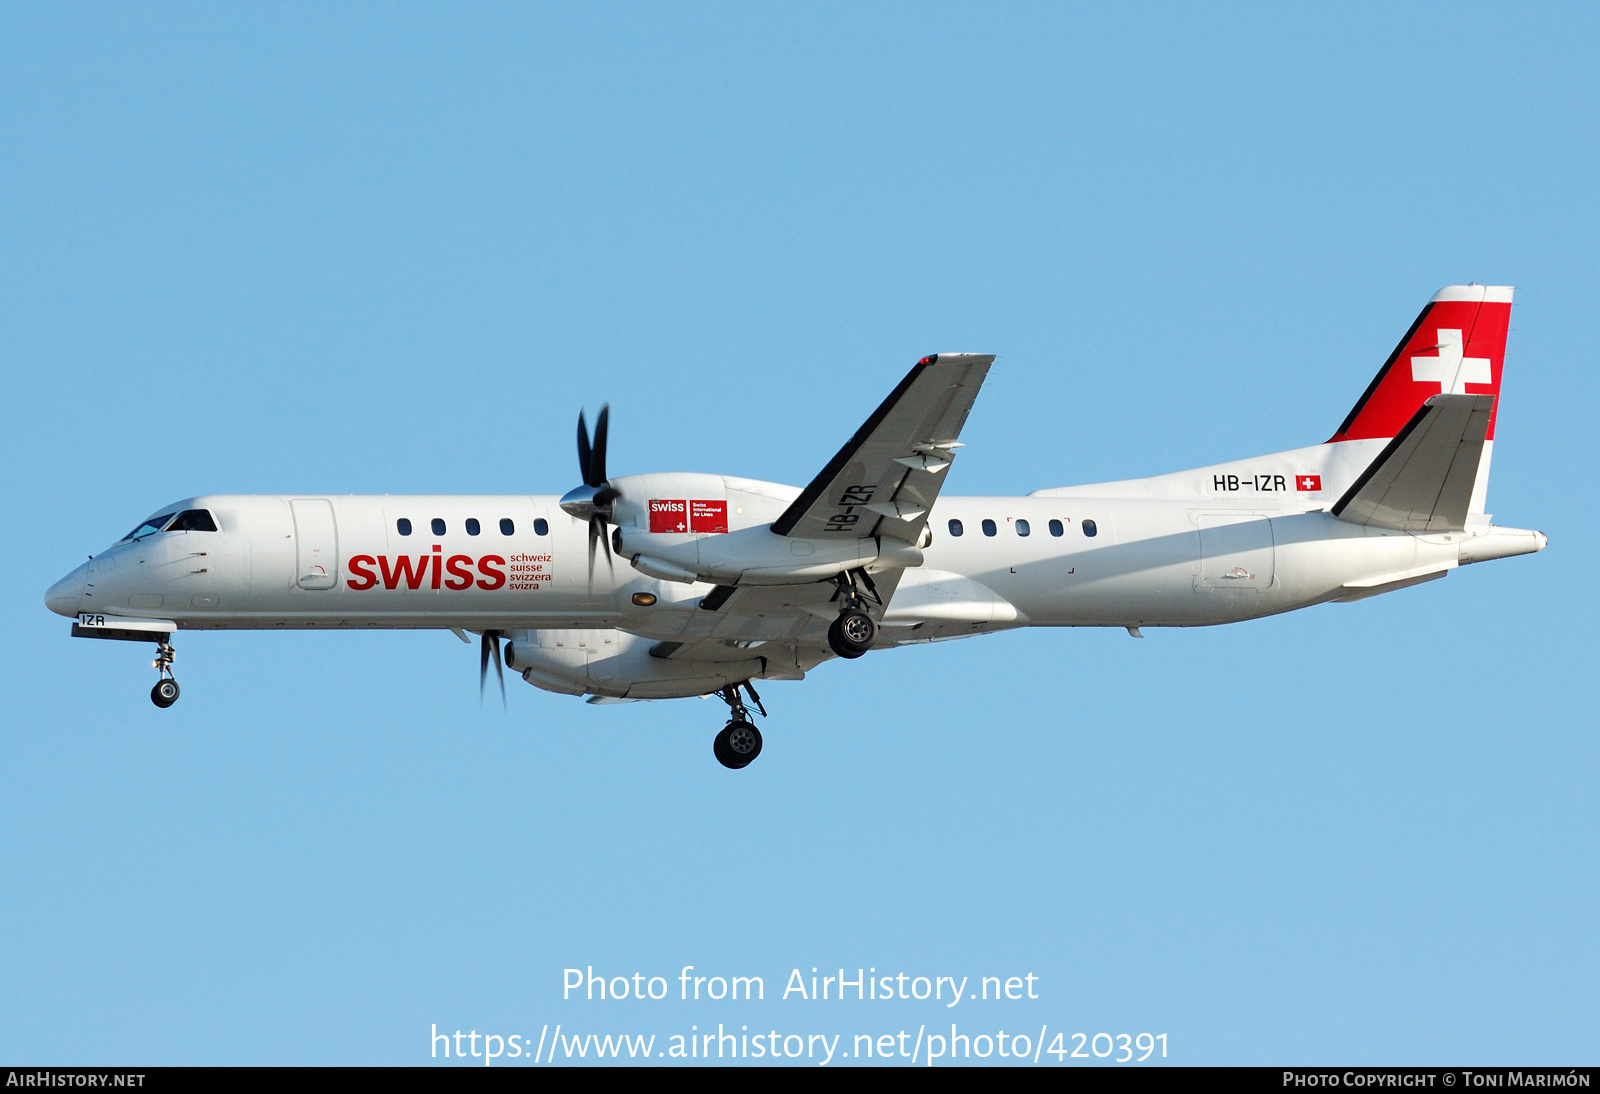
<point x="1422" y="482"/>
<point x="884" y="480"/>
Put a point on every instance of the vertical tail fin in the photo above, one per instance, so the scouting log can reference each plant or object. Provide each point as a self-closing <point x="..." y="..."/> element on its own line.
<point x="1457" y="346"/>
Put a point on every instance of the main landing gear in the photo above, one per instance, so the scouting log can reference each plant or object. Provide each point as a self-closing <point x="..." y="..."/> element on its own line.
<point x="165" y="693"/>
<point x="740" y="741"/>
<point x="854" y="631"/>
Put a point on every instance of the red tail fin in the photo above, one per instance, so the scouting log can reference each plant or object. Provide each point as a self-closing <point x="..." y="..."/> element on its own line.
<point x="1457" y="345"/>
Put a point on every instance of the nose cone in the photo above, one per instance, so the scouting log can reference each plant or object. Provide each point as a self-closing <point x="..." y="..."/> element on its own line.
<point x="65" y="594"/>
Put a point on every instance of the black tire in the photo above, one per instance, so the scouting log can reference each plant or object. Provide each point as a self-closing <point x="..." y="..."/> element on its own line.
<point x="165" y="693"/>
<point x="737" y="745"/>
<point x="852" y="634"/>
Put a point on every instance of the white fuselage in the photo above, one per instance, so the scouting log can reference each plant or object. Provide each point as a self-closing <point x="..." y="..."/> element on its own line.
<point x="1215" y="545"/>
<point x="340" y="562"/>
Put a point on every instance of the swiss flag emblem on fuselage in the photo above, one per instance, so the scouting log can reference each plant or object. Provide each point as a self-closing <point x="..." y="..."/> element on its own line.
<point x="1308" y="482"/>
<point x="1456" y="347"/>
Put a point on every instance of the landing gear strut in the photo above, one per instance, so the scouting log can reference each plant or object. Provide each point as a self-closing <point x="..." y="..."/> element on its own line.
<point x="854" y="631"/>
<point x="165" y="693"/>
<point x="740" y="741"/>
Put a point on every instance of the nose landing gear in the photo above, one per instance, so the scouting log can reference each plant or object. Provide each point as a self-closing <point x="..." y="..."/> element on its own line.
<point x="165" y="693"/>
<point x="739" y="743"/>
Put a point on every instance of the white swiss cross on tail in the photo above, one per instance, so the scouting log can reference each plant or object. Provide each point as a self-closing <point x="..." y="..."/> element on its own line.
<point x="1450" y="370"/>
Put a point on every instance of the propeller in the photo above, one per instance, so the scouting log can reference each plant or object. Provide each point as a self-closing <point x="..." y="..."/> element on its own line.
<point x="490" y="647"/>
<point x="593" y="501"/>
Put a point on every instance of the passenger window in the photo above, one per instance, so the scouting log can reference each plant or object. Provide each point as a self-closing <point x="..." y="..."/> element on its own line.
<point x="988" y="527"/>
<point x="438" y="526"/>
<point x="403" y="526"/>
<point x="1055" y="528"/>
<point x="193" y="520"/>
<point x="1089" y="529"/>
<point x="541" y="527"/>
<point x="955" y="528"/>
<point x="148" y="528"/>
<point x="473" y="527"/>
<point x="1022" y="527"/>
<point x="506" y="527"/>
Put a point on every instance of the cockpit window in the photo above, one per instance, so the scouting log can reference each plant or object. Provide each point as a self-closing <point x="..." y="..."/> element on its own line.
<point x="148" y="528"/>
<point x="193" y="520"/>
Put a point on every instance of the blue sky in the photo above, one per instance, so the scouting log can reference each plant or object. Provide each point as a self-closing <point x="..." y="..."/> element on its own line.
<point x="380" y="249"/>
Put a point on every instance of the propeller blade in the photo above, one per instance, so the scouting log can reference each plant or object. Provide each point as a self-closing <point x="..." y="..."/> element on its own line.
<point x="500" y="673"/>
<point x="596" y="502"/>
<point x="490" y="646"/>
<point x="597" y="459"/>
<point x="584" y="451"/>
<point x="597" y="534"/>
<point x="605" y="541"/>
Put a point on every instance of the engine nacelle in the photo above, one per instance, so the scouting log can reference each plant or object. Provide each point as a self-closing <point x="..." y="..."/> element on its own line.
<point x="617" y="664"/>
<point x="685" y="502"/>
<point x="690" y="527"/>
<point x="759" y="556"/>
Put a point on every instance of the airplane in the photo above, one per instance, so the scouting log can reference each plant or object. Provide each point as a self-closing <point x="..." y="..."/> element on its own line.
<point x="730" y="580"/>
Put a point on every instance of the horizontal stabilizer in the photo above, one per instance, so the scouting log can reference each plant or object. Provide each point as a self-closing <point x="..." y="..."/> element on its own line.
<point x="1422" y="482"/>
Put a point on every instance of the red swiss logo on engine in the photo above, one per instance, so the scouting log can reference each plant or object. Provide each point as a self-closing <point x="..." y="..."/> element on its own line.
<point x="669" y="516"/>
<point x="672" y="515"/>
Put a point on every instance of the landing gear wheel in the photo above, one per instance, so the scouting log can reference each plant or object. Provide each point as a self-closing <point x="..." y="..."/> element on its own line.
<point x="165" y="693"/>
<point x="852" y="634"/>
<point x="737" y="744"/>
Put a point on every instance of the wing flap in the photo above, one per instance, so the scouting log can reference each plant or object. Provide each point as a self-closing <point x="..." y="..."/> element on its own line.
<point x="1422" y="481"/>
